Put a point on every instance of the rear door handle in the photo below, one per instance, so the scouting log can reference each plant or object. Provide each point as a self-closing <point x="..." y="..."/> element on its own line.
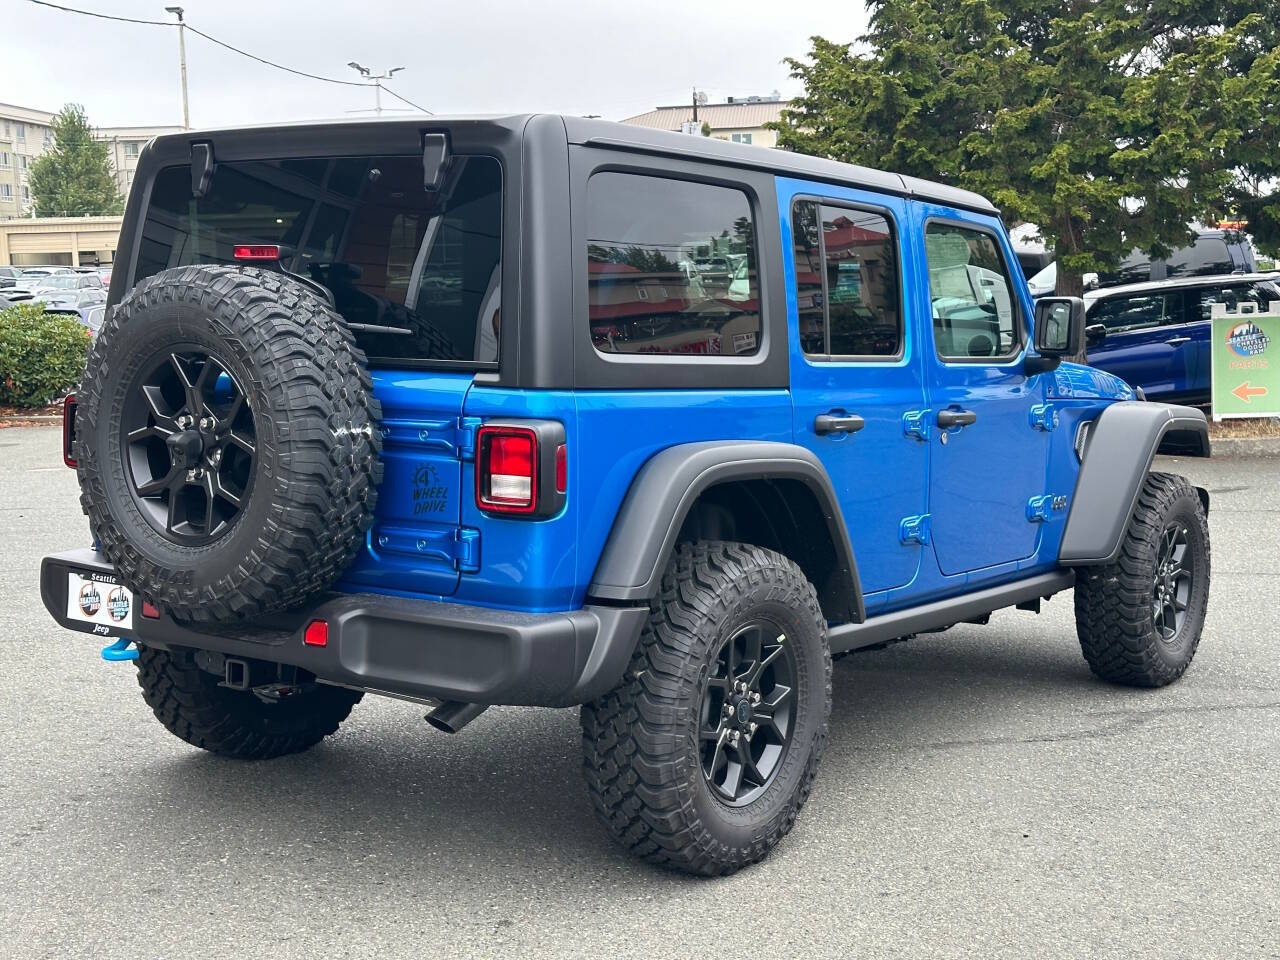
<point x="1177" y="340"/>
<point x="838" y="423"/>
<point x="956" y="418"/>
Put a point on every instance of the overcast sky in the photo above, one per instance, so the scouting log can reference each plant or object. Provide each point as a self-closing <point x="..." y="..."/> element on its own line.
<point x="604" y="57"/>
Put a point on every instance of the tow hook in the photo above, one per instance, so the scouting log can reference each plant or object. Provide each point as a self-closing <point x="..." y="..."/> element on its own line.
<point x="119" y="650"/>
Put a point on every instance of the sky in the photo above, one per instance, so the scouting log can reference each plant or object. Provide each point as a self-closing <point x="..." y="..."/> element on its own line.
<point x="606" y="57"/>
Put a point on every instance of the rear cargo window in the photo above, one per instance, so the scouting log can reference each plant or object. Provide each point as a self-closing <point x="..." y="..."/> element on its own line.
<point x="671" y="267"/>
<point x="418" y="274"/>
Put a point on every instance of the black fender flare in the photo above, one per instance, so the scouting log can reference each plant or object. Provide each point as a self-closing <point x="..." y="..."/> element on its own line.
<point x="1122" y="442"/>
<point x="665" y="489"/>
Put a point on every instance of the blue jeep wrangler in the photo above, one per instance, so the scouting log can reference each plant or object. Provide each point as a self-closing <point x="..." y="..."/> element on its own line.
<point x="552" y="411"/>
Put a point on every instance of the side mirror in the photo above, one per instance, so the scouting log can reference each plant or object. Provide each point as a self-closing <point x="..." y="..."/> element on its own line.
<point x="1059" y="332"/>
<point x="1095" y="332"/>
<point x="1059" y="326"/>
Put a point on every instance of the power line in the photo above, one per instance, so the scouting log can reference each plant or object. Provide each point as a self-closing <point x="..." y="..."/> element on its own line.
<point x="225" y="45"/>
<point x="407" y="100"/>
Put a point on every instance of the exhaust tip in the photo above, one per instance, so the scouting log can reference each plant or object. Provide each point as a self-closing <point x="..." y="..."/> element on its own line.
<point x="452" y="715"/>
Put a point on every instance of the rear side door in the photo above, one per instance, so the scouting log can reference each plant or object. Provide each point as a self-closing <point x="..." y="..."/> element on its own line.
<point x="1148" y="342"/>
<point x="856" y="384"/>
<point x="990" y="449"/>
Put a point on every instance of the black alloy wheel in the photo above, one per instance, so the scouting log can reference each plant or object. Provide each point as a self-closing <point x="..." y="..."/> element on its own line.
<point x="189" y="445"/>
<point x="745" y="724"/>
<point x="1171" y="596"/>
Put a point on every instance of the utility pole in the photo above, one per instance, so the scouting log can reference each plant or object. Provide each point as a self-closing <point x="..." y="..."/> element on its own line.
<point x="377" y="82"/>
<point x="695" y="104"/>
<point x="182" y="59"/>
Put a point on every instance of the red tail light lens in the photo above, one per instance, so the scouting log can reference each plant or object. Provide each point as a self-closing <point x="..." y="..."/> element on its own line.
<point x="256" y="251"/>
<point x="507" y="469"/>
<point x="150" y="610"/>
<point x="68" y="429"/>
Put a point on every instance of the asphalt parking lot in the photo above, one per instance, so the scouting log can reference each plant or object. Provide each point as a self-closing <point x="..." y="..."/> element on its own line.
<point x="981" y="796"/>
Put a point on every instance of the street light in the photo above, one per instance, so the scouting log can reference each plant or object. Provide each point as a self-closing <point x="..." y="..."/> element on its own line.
<point x="182" y="59"/>
<point x="377" y="81"/>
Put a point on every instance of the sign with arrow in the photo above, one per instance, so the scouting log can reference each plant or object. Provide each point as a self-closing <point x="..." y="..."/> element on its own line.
<point x="1245" y="358"/>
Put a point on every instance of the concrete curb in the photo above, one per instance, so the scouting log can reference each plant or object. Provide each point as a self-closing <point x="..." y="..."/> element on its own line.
<point x="18" y="420"/>
<point x="1245" y="446"/>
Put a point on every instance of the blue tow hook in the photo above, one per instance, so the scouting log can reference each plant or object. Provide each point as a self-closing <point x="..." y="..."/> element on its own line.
<point x="120" y="650"/>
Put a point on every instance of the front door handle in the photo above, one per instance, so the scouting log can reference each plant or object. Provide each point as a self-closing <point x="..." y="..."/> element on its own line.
<point x="838" y="423"/>
<point x="1173" y="342"/>
<point x="956" y="418"/>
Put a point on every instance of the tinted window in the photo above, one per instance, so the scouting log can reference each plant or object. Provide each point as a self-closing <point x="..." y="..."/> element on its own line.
<point x="975" y="313"/>
<point x="1206" y="255"/>
<point x="671" y="267"/>
<point x="1260" y="295"/>
<point x="422" y="269"/>
<point x="1120" y="314"/>
<point x="810" y="277"/>
<point x="846" y="282"/>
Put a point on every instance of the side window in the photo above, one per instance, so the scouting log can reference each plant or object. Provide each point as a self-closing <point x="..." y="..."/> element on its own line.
<point x="1139" y="312"/>
<point x="975" y="312"/>
<point x="671" y="267"/>
<point x="1260" y="295"/>
<point x="848" y="294"/>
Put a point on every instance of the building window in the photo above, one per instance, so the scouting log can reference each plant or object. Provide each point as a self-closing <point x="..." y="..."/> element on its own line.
<point x="6" y="192"/>
<point x="131" y="148"/>
<point x="671" y="267"/>
<point x="4" y="160"/>
<point x="22" y="161"/>
<point x="741" y="138"/>
<point x="26" y="192"/>
<point x="128" y="178"/>
<point x="20" y="131"/>
<point x="8" y="129"/>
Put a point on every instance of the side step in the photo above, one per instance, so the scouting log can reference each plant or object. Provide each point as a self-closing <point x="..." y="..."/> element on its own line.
<point x="943" y="613"/>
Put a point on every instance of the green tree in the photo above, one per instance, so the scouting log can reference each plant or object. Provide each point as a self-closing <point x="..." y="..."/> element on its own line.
<point x="74" y="178"/>
<point x="1109" y="124"/>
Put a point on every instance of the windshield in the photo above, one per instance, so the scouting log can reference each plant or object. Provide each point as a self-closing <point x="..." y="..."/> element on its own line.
<point x="416" y="273"/>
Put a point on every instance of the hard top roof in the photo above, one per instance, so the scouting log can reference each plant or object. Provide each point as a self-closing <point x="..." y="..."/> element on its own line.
<point x="610" y="134"/>
<point x="1178" y="283"/>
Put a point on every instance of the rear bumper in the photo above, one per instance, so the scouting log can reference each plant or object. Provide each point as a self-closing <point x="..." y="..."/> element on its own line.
<point x="423" y="649"/>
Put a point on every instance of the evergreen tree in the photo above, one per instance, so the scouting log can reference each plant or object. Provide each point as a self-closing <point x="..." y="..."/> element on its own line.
<point x="74" y="178"/>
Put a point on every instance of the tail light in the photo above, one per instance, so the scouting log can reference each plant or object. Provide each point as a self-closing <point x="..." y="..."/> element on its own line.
<point x="256" y="251"/>
<point x="521" y="468"/>
<point x="68" y="429"/>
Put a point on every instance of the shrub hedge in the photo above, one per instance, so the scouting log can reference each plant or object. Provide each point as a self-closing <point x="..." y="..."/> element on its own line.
<point x="42" y="355"/>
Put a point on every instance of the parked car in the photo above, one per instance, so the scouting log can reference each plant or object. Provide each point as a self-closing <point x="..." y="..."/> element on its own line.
<point x="69" y="289"/>
<point x="8" y="276"/>
<point x="90" y="316"/>
<point x="442" y="416"/>
<point x="1211" y="253"/>
<point x="1156" y="335"/>
<point x="1045" y="282"/>
<point x="32" y="277"/>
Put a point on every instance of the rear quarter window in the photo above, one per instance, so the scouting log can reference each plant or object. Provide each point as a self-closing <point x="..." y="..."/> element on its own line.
<point x="671" y="267"/>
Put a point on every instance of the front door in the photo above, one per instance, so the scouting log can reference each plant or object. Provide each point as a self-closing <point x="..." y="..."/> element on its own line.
<point x="990" y="453"/>
<point x="1148" y="342"/>
<point x="856" y="377"/>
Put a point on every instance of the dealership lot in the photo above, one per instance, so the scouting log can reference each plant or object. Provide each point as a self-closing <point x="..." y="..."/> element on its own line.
<point x="981" y="795"/>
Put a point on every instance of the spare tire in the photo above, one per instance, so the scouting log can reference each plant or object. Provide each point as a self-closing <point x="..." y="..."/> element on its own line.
<point x="227" y="442"/>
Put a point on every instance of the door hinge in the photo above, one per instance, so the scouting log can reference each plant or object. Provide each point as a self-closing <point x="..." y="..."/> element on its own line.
<point x="1043" y="417"/>
<point x="915" y="529"/>
<point x="1041" y="508"/>
<point x="466" y="550"/>
<point x="915" y="423"/>
<point x="466" y="437"/>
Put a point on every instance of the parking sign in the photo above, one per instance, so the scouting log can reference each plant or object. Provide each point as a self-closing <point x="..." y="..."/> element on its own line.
<point x="1245" y="354"/>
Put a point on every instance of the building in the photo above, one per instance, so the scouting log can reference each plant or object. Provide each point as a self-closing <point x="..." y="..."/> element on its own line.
<point x="66" y="241"/>
<point x="740" y="119"/>
<point x="25" y="134"/>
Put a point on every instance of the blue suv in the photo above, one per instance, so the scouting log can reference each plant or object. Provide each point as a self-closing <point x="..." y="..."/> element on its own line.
<point x="552" y="411"/>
